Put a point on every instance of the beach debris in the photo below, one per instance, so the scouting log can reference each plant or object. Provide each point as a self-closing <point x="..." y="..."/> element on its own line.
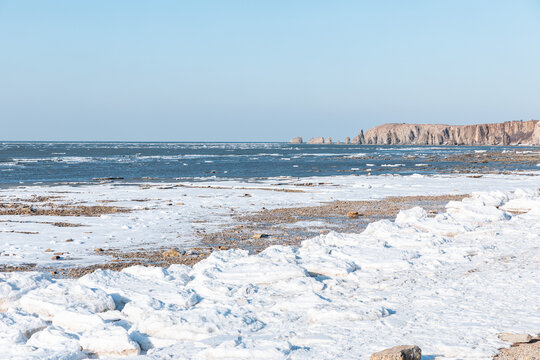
<point x="401" y="352"/>
<point x="260" y="236"/>
<point x="171" y="253"/>
<point x="353" y="214"/>
<point x="515" y="338"/>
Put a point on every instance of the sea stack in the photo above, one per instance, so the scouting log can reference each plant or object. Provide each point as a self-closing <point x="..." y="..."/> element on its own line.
<point x="328" y="140"/>
<point x="316" y="140"/>
<point x="358" y="139"/>
<point x="347" y="140"/>
<point x="297" y="140"/>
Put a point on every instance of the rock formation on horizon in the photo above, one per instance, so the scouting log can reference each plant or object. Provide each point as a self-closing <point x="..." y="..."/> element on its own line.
<point x="507" y="133"/>
<point x="296" y="140"/>
<point x="358" y="139"/>
<point x="316" y="140"/>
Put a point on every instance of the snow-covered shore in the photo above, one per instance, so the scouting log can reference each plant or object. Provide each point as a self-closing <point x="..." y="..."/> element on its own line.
<point x="449" y="284"/>
<point x="168" y="215"/>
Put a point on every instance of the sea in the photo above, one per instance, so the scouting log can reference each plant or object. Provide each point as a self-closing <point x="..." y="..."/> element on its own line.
<point x="59" y="162"/>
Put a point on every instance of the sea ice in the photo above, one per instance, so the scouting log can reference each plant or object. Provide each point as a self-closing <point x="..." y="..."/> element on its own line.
<point x="448" y="283"/>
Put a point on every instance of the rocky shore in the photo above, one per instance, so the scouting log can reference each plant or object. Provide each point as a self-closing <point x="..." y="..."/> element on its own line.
<point x="506" y="133"/>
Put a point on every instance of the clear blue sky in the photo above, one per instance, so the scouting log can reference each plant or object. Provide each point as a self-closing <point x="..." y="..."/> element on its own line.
<point x="261" y="70"/>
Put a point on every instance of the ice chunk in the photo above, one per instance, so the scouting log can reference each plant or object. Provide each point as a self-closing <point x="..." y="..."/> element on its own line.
<point x="110" y="341"/>
<point x="68" y="304"/>
<point x="16" y="326"/>
<point x="53" y="338"/>
<point x="15" y="284"/>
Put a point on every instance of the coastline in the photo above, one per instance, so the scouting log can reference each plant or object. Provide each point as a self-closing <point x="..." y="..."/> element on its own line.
<point x="230" y="260"/>
<point x="450" y="267"/>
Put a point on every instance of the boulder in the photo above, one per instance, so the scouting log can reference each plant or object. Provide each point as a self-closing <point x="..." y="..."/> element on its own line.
<point x="402" y="352"/>
<point x="515" y="338"/>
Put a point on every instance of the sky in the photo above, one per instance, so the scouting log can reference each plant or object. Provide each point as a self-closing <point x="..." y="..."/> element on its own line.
<point x="230" y="70"/>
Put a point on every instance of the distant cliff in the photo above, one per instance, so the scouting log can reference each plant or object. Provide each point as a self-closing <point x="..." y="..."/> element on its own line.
<point x="507" y="133"/>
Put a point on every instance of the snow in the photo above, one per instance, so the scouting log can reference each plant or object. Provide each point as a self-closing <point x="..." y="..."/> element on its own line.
<point x="171" y="214"/>
<point x="448" y="283"/>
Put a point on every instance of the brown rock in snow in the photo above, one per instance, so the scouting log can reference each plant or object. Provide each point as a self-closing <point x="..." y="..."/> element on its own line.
<point x="402" y="352"/>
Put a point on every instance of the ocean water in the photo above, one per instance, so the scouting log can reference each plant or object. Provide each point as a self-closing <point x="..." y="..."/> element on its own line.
<point x="31" y="162"/>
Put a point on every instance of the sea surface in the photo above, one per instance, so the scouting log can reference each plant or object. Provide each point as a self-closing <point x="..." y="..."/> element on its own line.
<point x="37" y="162"/>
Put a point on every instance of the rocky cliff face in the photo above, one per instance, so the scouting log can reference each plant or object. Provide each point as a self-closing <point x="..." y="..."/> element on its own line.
<point x="507" y="133"/>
